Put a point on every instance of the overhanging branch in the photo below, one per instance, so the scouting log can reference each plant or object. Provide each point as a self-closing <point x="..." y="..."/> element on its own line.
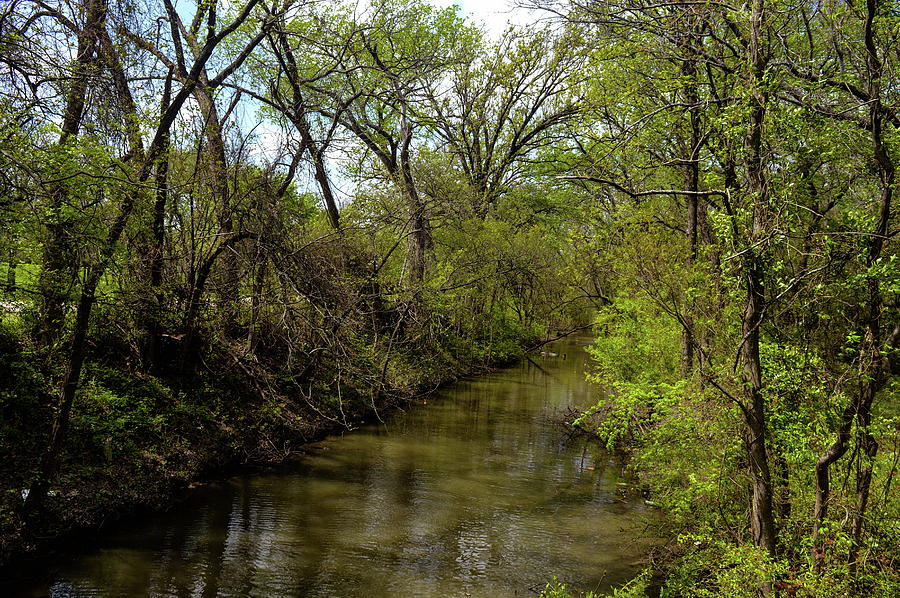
<point x="635" y="194"/>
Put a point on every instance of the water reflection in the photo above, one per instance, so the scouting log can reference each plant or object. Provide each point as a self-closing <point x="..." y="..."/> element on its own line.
<point x="472" y="495"/>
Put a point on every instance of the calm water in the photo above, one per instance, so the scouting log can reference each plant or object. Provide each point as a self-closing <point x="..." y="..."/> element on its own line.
<point x="476" y="494"/>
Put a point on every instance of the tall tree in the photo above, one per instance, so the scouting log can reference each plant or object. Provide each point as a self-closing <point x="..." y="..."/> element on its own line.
<point x="59" y="263"/>
<point x="381" y="68"/>
<point x="851" y="93"/>
<point x="507" y="100"/>
<point x="674" y="40"/>
<point x="141" y="171"/>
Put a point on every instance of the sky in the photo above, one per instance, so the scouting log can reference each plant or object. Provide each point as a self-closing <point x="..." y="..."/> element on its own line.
<point x="493" y="13"/>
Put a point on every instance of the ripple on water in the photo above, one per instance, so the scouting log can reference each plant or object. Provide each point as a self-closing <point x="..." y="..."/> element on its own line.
<point x="474" y="494"/>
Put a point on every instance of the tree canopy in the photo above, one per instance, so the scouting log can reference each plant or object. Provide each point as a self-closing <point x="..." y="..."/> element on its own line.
<point x="276" y="217"/>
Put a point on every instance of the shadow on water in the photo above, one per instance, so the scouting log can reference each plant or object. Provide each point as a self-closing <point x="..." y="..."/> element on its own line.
<point x="477" y="493"/>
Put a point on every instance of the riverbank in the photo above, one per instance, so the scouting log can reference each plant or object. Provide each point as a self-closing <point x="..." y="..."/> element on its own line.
<point x="139" y="442"/>
<point x="476" y="492"/>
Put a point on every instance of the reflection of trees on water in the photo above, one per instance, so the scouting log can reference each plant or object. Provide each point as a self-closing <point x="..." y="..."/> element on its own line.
<point x="464" y="495"/>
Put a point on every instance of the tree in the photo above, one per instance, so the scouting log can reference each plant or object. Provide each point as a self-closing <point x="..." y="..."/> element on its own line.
<point x="375" y="72"/>
<point x="141" y="171"/>
<point x="507" y="101"/>
<point x="851" y="92"/>
<point x="777" y="146"/>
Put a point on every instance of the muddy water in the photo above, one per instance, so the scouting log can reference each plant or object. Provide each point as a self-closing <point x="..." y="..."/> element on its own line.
<point x="477" y="493"/>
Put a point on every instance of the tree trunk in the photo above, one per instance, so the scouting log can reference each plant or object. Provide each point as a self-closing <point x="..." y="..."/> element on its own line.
<point x="873" y="364"/>
<point x="316" y="154"/>
<point x="334" y="217"/>
<point x="158" y="234"/>
<point x="59" y="268"/>
<point x="298" y="114"/>
<point x="692" y="183"/>
<point x="823" y="483"/>
<point x="219" y="196"/>
<point x="762" y="521"/>
<point x="256" y="299"/>
<point x="11" y="267"/>
<point x="420" y="238"/>
<point x="49" y="464"/>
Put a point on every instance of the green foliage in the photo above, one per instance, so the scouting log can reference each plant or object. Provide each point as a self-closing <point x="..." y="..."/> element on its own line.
<point x="637" y="587"/>
<point x="23" y="393"/>
<point x="797" y="389"/>
<point x="118" y="414"/>
<point x="556" y="589"/>
<point x="721" y="569"/>
<point x="711" y="568"/>
<point x="634" y="360"/>
<point x="636" y="344"/>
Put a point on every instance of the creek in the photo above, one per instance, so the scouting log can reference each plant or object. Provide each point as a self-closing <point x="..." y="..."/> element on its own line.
<point x="480" y="492"/>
